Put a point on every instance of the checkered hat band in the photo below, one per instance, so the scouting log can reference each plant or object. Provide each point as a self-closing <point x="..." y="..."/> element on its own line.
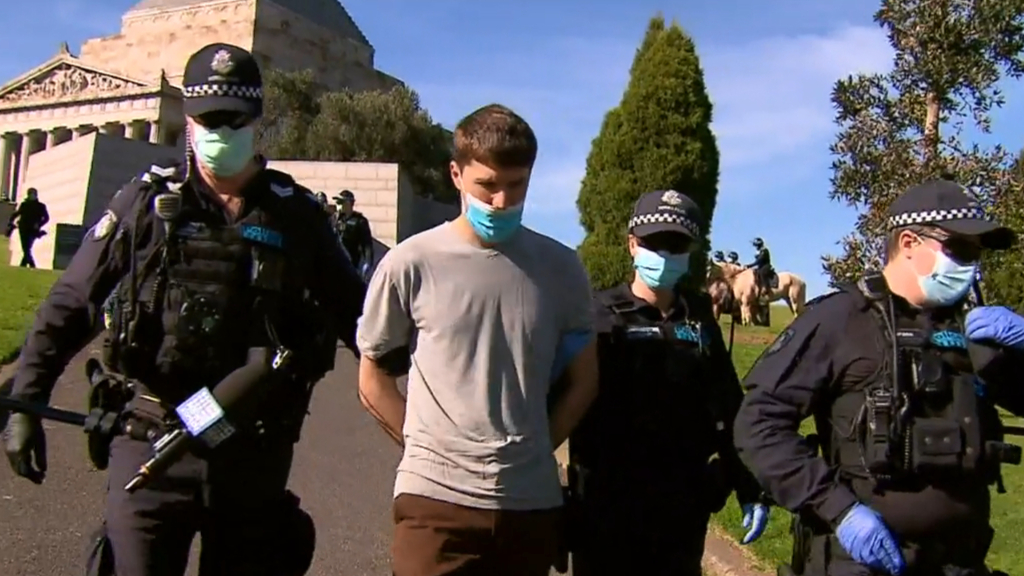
<point x="929" y="216"/>
<point x="229" y="90"/>
<point x="665" y="218"/>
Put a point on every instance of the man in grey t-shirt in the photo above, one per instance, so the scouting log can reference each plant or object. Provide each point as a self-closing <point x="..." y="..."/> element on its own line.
<point x="476" y="310"/>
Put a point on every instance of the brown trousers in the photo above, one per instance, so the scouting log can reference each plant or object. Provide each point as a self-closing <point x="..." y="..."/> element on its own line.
<point x="434" y="538"/>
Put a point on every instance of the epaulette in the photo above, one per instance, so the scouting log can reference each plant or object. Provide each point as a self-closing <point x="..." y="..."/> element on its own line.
<point x="170" y="172"/>
<point x="281" y="183"/>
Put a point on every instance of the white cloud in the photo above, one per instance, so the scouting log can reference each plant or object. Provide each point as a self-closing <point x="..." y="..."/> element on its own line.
<point x="771" y="98"/>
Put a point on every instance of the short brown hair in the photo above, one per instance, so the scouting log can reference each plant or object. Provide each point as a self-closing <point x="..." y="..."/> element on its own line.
<point x="892" y="243"/>
<point x="497" y="136"/>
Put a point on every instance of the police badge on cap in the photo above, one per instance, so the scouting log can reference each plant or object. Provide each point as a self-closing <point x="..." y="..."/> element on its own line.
<point x="223" y="78"/>
<point x="666" y="211"/>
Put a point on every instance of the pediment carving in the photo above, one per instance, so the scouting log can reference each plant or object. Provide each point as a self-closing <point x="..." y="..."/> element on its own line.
<point x="67" y="82"/>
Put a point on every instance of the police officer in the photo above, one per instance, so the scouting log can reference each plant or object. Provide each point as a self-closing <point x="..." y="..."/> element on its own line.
<point x="903" y="399"/>
<point x="354" y="230"/>
<point x="218" y="263"/>
<point x="718" y="257"/>
<point x="762" y="266"/>
<point x="734" y="258"/>
<point x="29" y="218"/>
<point x="642" y="474"/>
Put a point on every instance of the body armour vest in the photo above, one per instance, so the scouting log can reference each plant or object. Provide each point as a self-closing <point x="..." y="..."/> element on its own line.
<point x="651" y="372"/>
<point x="207" y="294"/>
<point x="923" y="417"/>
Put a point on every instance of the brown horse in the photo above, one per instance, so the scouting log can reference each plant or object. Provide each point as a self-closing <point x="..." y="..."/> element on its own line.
<point x="791" y="288"/>
<point x="722" y="301"/>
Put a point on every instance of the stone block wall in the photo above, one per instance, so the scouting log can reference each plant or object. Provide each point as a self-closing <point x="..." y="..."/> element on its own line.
<point x="76" y="181"/>
<point x="287" y="41"/>
<point x="164" y="39"/>
<point x="61" y="175"/>
<point x="383" y="194"/>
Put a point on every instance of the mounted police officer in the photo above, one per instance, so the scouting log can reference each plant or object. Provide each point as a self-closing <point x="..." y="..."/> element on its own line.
<point x="354" y="230"/>
<point x="903" y="393"/>
<point x="734" y="258"/>
<point x="218" y="263"/>
<point x="718" y="257"/>
<point x="644" y="479"/>
<point x="764" y="274"/>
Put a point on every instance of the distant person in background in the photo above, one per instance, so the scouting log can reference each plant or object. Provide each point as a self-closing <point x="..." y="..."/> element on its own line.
<point x="734" y="258"/>
<point x="29" y="219"/>
<point x="354" y="230"/>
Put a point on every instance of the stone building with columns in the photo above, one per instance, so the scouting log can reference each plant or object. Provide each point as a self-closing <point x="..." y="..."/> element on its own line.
<point x="126" y="86"/>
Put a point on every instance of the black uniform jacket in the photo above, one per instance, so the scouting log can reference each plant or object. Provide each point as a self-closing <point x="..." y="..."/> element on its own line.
<point x="72" y="313"/>
<point x="834" y="346"/>
<point x="667" y="425"/>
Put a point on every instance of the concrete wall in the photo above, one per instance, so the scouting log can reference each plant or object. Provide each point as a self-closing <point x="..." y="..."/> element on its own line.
<point x="383" y="194"/>
<point x="164" y="39"/>
<point x="287" y="41"/>
<point x="101" y="164"/>
<point x="76" y="180"/>
<point x="155" y="40"/>
<point x="61" y="175"/>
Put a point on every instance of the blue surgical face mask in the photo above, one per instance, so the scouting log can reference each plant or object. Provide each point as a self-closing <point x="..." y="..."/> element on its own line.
<point x="948" y="282"/>
<point x="492" y="225"/>
<point x="224" y="151"/>
<point x="660" y="270"/>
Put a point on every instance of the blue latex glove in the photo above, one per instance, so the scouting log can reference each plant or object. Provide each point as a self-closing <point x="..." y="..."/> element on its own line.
<point x="569" y="346"/>
<point x="868" y="541"/>
<point x="755" y="520"/>
<point x="996" y="323"/>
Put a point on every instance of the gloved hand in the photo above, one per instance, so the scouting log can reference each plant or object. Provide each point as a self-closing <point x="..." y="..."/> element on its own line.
<point x="25" y="444"/>
<point x="868" y="541"/>
<point x="996" y="323"/>
<point x="755" y="519"/>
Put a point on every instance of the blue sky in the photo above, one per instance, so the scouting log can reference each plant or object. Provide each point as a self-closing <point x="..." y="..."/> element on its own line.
<point x="562" y="64"/>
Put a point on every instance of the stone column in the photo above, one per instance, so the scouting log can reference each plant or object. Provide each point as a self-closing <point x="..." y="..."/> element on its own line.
<point x="6" y="166"/>
<point x="27" y="149"/>
<point x="155" y="132"/>
<point x="136" y="130"/>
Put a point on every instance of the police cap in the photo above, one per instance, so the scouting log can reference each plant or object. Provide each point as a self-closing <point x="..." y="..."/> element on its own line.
<point x="948" y="206"/>
<point x="667" y="211"/>
<point x="222" y="78"/>
<point x="345" y="196"/>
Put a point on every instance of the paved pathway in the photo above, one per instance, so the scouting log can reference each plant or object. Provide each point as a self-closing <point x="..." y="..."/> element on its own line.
<point x="344" y="471"/>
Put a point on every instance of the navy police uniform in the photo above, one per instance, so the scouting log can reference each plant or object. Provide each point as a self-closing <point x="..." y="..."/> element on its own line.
<point x="905" y="409"/>
<point x="643" y="476"/>
<point x="354" y="230"/>
<point x="198" y="292"/>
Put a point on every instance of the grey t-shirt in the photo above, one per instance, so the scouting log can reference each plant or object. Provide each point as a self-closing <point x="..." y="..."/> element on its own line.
<point x="483" y="325"/>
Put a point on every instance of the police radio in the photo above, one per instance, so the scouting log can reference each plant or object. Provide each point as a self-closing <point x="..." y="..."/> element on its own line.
<point x="167" y="207"/>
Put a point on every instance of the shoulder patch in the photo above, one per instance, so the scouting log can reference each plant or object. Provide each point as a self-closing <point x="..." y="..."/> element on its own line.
<point x="780" y="342"/>
<point x="282" y="191"/>
<point x="104" y="226"/>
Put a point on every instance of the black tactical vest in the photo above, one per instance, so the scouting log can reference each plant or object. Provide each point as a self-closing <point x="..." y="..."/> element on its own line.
<point x="923" y="417"/>
<point x="209" y="293"/>
<point x="650" y="373"/>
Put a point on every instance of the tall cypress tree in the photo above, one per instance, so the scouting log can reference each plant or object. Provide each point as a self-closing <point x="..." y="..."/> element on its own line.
<point x="658" y="138"/>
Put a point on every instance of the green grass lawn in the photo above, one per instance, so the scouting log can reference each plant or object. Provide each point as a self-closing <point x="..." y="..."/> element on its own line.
<point x="21" y="291"/>
<point x="773" y="548"/>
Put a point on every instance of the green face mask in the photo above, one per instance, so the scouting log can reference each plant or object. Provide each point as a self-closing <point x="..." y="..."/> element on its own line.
<point x="225" y="151"/>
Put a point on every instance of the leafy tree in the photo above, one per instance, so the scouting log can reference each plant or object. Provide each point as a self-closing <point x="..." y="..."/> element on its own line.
<point x="901" y="128"/>
<point x="1004" y="271"/>
<point x="658" y="138"/>
<point x="302" y="121"/>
